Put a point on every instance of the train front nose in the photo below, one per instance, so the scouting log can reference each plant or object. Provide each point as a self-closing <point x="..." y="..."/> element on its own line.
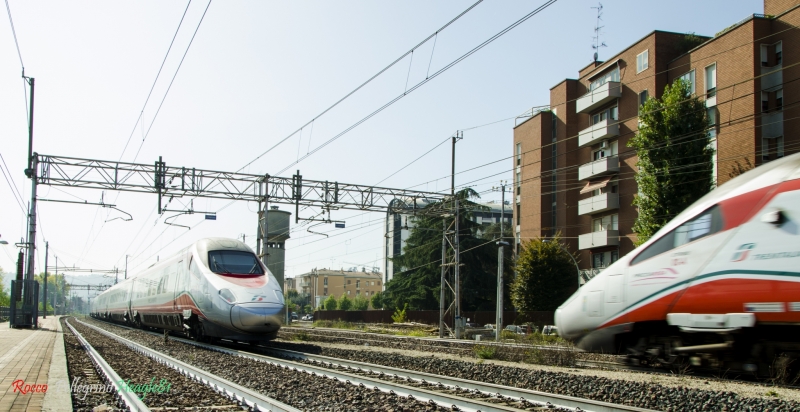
<point x="257" y="317"/>
<point x="570" y="320"/>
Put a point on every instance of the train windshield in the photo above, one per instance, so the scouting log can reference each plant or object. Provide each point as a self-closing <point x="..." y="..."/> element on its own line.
<point x="230" y="262"/>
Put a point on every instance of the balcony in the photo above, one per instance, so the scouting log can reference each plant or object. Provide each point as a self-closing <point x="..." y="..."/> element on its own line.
<point x="771" y="77"/>
<point x="598" y="239"/>
<point x="597" y="204"/>
<point x="597" y="132"/>
<point x="598" y="97"/>
<point x="604" y="166"/>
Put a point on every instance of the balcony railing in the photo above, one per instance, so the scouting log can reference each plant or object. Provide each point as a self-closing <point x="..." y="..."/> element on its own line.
<point x="597" y="132"/>
<point x="599" y="203"/>
<point x="588" y="274"/>
<point x="604" y="166"/>
<point x="598" y="239"/>
<point x="598" y="97"/>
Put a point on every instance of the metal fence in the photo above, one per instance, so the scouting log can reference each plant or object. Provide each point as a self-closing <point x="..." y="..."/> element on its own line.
<point x="5" y="313"/>
<point x="431" y="317"/>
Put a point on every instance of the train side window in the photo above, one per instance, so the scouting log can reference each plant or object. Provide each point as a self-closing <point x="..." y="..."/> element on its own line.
<point x="707" y="223"/>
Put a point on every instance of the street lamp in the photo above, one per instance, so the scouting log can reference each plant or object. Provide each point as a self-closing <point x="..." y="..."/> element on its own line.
<point x="571" y="257"/>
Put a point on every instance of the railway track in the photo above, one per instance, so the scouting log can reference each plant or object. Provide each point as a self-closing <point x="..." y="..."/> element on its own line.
<point x="447" y="392"/>
<point x="239" y="396"/>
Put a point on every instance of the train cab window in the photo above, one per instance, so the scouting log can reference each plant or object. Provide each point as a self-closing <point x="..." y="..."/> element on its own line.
<point x="707" y="223"/>
<point x="234" y="262"/>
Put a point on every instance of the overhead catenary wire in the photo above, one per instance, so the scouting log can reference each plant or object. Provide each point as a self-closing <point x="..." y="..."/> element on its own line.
<point x="423" y="82"/>
<point x="362" y="84"/>
<point x="139" y="119"/>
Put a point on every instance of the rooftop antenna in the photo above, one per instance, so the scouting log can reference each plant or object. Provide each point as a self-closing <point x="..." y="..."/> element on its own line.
<point x="597" y="43"/>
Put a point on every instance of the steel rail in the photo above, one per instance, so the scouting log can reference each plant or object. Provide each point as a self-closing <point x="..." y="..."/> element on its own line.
<point x="252" y="399"/>
<point x="543" y="398"/>
<point x="489" y="388"/>
<point x="443" y="399"/>
<point x="130" y="399"/>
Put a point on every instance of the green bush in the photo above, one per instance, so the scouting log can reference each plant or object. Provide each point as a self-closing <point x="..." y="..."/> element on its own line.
<point x="399" y="316"/>
<point x="485" y="351"/>
<point x="345" y="303"/>
<point x="360" y="302"/>
<point x="331" y="303"/>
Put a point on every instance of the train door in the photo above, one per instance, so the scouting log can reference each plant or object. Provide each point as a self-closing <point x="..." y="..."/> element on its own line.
<point x="180" y="281"/>
<point x="660" y="273"/>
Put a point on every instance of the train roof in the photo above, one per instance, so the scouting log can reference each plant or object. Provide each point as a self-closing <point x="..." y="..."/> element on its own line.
<point x="772" y="173"/>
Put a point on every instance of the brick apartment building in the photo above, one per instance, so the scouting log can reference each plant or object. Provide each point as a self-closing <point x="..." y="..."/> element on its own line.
<point x="574" y="172"/>
<point x="318" y="284"/>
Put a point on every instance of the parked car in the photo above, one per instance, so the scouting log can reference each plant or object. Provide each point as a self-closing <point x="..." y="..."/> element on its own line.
<point x="307" y="317"/>
<point x="550" y="330"/>
<point x="294" y="315"/>
<point x="515" y="329"/>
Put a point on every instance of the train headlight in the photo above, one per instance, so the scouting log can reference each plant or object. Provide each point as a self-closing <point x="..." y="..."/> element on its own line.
<point x="227" y="295"/>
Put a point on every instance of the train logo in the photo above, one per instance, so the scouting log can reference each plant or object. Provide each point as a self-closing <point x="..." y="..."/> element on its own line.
<point x="742" y="252"/>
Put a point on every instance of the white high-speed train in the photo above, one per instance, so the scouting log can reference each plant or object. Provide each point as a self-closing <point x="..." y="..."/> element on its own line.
<point x="718" y="286"/>
<point x="215" y="288"/>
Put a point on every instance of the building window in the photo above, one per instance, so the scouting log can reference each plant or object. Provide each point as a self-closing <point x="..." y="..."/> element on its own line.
<point x="711" y="81"/>
<point x="358" y="284"/>
<point x="712" y="142"/>
<point x="779" y="100"/>
<point x="614" y="256"/>
<point x="689" y="78"/>
<point x="519" y="182"/>
<point x="771" y="148"/>
<point x="607" y="149"/>
<point x="519" y="154"/>
<point x="325" y="291"/>
<point x="611" y="187"/>
<point x="610" y="113"/>
<point x="771" y="54"/>
<point x="348" y="292"/>
<point x="518" y="214"/>
<point x="554" y="125"/>
<point x="325" y="281"/>
<point x="612" y="76"/>
<point x="597" y="261"/>
<point x="641" y="61"/>
<point x="601" y="224"/>
<point x="764" y="102"/>
<point x="348" y="281"/>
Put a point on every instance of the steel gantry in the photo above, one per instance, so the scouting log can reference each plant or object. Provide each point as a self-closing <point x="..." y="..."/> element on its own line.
<point x="169" y="182"/>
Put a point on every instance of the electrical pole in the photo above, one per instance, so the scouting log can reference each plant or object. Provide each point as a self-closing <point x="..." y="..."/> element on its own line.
<point x="30" y="315"/>
<point x="457" y="252"/>
<point x="498" y="326"/>
<point x="46" y="254"/>
<point x="126" y="266"/>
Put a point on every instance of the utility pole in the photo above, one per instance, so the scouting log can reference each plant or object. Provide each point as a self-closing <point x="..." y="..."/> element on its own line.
<point x="116" y="276"/>
<point x="126" y="266"/>
<point x="498" y="325"/>
<point x="456" y="244"/>
<point x="30" y="314"/>
<point x="46" y="254"/>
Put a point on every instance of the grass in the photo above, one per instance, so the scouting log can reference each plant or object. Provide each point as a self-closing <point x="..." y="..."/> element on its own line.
<point x="301" y="336"/>
<point x="485" y="351"/>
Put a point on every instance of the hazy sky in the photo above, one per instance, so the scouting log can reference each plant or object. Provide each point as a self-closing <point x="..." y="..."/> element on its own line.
<point x="259" y="70"/>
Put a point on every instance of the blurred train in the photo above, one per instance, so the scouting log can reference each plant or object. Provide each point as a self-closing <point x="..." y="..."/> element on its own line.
<point x="718" y="286"/>
<point x="214" y="289"/>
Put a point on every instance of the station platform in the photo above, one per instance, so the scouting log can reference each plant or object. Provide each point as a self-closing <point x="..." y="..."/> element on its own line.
<point x="37" y="357"/>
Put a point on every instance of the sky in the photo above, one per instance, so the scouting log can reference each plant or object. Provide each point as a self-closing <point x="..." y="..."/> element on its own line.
<point x="242" y="76"/>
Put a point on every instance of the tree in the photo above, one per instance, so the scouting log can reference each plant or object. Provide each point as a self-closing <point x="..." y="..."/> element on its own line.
<point x="331" y="303"/>
<point x="377" y="300"/>
<point x="420" y="281"/>
<point x="675" y="160"/>
<point x="360" y="302"/>
<point x="5" y="298"/>
<point x="307" y="309"/>
<point x="545" y="278"/>
<point x="57" y="290"/>
<point x="345" y="303"/>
